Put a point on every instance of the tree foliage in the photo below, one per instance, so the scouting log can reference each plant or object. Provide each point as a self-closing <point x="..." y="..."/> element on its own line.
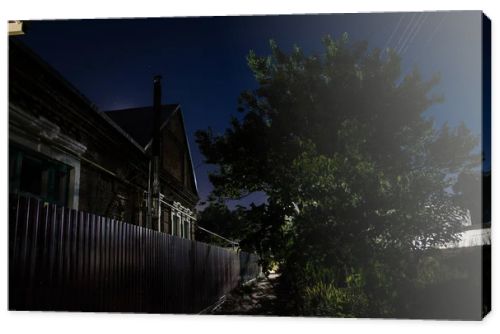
<point x="357" y="177"/>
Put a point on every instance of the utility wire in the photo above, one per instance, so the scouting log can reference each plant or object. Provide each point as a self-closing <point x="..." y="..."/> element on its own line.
<point x="403" y="37"/>
<point x="431" y="36"/>
<point x="422" y="18"/>
<point x="410" y="33"/>
<point x="389" y="40"/>
<point x="232" y="242"/>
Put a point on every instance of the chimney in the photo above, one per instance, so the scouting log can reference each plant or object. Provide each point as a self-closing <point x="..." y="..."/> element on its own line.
<point x="157" y="116"/>
<point x="154" y="200"/>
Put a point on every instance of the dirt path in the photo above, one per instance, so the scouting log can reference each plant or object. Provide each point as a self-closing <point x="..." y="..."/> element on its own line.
<point x="257" y="297"/>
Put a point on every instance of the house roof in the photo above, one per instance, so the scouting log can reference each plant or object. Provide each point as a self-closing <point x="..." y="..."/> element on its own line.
<point x="135" y="124"/>
<point x="25" y="51"/>
<point x="138" y="122"/>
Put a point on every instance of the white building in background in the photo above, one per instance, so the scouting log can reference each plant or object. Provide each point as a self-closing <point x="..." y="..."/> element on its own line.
<point x="472" y="238"/>
<point x="472" y="235"/>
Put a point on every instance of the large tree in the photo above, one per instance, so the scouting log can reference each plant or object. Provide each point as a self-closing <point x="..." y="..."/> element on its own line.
<point x="356" y="175"/>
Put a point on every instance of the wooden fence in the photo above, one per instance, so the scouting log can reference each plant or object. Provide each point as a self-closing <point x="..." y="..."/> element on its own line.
<point x="62" y="259"/>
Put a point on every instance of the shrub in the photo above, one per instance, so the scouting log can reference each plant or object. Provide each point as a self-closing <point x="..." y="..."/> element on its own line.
<point x="321" y="295"/>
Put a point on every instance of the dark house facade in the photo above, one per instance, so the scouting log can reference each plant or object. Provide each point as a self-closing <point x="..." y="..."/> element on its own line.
<point x="65" y="151"/>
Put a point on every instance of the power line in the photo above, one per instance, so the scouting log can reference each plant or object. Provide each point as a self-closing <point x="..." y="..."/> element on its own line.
<point x="389" y="40"/>
<point x="431" y="36"/>
<point x="423" y="17"/>
<point x="403" y="35"/>
<point x="408" y="31"/>
<point x="232" y="242"/>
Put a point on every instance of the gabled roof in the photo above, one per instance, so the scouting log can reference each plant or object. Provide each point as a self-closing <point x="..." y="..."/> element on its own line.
<point x="138" y="122"/>
<point x="135" y="125"/>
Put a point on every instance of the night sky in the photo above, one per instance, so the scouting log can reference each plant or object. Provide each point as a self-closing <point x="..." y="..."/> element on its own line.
<point x="202" y="60"/>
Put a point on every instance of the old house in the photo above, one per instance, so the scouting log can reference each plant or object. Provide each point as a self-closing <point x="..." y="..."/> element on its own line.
<point x="63" y="150"/>
<point x="178" y="182"/>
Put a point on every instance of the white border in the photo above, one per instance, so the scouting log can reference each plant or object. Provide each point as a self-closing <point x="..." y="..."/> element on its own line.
<point x="41" y="322"/>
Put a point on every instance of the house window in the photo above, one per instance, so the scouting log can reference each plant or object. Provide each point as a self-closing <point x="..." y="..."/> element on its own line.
<point x="166" y="221"/>
<point x="173" y="222"/>
<point x="183" y="230"/>
<point x="176" y="224"/>
<point x="38" y="176"/>
<point x="187" y="224"/>
<point x="179" y="226"/>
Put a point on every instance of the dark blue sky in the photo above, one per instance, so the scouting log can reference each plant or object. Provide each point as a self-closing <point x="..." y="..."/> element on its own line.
<point x="202" y="60"/>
